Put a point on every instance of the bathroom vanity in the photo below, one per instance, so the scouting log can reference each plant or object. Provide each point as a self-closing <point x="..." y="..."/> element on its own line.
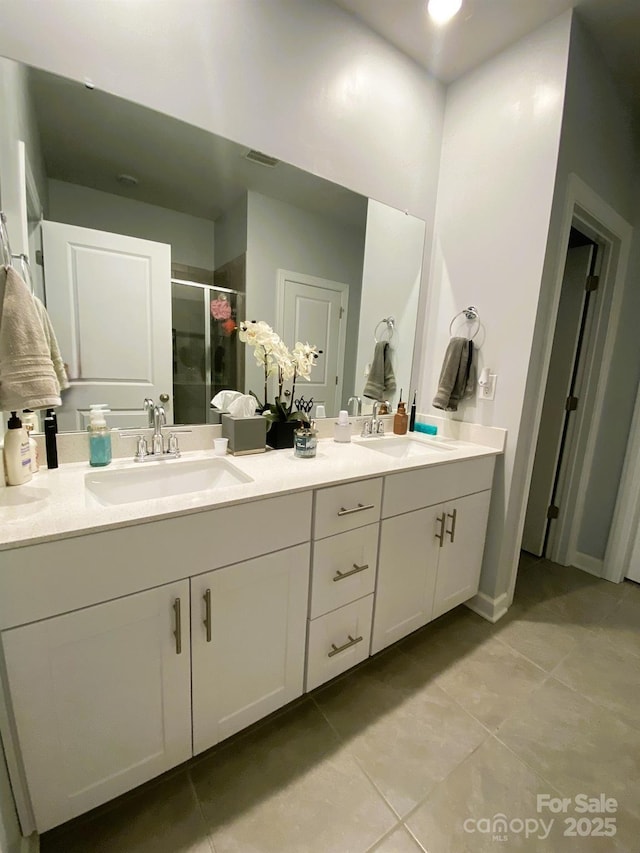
<point x="136" y="635"/>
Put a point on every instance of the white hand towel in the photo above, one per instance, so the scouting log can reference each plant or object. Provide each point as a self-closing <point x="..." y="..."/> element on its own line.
<point x="52" y="343"/>
<point x="27" y="375"/>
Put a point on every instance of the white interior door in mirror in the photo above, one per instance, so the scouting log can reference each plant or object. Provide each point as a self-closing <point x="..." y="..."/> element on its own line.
<point x="314" y="310"/>
<point x="109" y="299"/>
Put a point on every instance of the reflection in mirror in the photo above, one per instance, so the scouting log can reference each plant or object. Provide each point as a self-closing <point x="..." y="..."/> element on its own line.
<point x="159" y="238"/>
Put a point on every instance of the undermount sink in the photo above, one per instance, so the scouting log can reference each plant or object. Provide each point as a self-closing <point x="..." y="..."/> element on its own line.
<point x="150" y="480"/>
<point x="403" y="447"/>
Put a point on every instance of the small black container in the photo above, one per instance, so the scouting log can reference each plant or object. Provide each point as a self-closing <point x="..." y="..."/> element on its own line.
<point x="50" y="440"/>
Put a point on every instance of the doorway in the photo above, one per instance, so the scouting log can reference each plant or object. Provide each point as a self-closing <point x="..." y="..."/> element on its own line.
<point x="314" y="310"/>
<point x="556" y="448"/>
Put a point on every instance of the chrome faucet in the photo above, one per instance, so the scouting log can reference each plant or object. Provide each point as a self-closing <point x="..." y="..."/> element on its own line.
<point x="358" y="407"/>
<point x="149" y="406"/>
<point x="375" y="426"/>
<point x="159" y="420"/>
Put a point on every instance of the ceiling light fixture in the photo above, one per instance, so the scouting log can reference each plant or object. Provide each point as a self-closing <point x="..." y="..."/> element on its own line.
<point x="441" y="11"/>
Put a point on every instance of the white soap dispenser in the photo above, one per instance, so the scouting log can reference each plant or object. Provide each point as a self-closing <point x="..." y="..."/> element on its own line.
<point x="342" y="427"/>
<point x="17" y="455"/>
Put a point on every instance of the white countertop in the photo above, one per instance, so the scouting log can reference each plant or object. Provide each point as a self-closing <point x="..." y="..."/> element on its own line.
<point x="55" y="504"/>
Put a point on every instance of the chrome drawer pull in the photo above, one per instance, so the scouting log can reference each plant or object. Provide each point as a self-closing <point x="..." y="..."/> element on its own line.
<point x="354" y="571"/>
<point x="207" y="613"/>
<point x="441" y="521"/>
<point x="337" y="649"/>
<point x="178" y="632"/>
<point x="359" y="508"/>
<point x="453" y="516"/>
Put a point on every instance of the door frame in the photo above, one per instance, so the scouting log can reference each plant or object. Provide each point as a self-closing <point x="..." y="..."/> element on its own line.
<point x="325" y="284"/>
<point x="584" y="205"/>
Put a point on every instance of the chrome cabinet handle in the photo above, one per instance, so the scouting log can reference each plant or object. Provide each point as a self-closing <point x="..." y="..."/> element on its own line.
<point x="207" y="613"/>
<point x="453" y="516"/>
<point x="441" y="521"/>
<point x="359" y="508"/>
<point x="350" y="642"/>
<point x="354" y="571"/>
<point x="178" y="632"/>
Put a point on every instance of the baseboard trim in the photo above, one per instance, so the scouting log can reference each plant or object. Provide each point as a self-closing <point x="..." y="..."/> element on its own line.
<point x="30" y="843"/>
<point x="489" y="608"/>
<point x="588" y="564"/>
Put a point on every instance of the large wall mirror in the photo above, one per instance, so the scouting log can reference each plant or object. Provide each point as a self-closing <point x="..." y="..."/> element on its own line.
<point x="150" y="240"/>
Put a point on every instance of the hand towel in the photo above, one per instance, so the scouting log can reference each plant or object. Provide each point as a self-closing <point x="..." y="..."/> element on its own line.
<point x="27" y="376"/>
<point x="381" y="382"/>
<point x="52" y="343"/>
<point x="457" y="377"/>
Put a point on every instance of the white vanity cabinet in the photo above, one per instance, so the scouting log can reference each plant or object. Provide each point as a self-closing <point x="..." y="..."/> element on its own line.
<point x="248" y="626"/>
<point x="431" y="545"/>
<point x="101" y="699"/>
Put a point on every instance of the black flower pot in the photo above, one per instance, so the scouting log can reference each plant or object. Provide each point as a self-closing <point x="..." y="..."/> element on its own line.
<point x="281" y="434"/>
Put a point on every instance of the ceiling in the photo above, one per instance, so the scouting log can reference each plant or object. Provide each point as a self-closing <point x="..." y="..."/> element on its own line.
<point x="483" y="28"/>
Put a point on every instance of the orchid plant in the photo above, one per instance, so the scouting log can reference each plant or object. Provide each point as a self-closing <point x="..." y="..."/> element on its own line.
<point x="277" y="360"/>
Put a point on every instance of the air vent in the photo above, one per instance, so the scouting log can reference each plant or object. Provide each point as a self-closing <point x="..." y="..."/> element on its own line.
<point x="262" y="159"/>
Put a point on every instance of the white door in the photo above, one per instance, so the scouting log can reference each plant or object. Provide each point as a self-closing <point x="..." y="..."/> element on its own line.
<point x="461" y="555"/>
<point x="314" y="310"/>
<point x="407" y="565"/>
<point x="248" y="627"/>
<point x="551" y="424"/>
<point x="101" y="699"/>
<point x="109" y="299"/>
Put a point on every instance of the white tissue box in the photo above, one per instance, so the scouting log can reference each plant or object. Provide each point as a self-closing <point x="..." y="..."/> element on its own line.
<point x="246" y="435"/>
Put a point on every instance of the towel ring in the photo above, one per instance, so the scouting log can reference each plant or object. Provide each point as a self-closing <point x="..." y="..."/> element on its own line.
<point x="390" y="323"/>
<point x="471" y="315"/>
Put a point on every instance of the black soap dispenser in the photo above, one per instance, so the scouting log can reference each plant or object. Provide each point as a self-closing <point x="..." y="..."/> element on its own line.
<point x="50" y="440"/>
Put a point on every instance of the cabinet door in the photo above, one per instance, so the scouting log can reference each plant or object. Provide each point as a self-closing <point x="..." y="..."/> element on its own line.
<point x="407" y="565"/>
<point x="248" y="642"/>
<point x="101" y="698"/>
<point x="461" y="557"/>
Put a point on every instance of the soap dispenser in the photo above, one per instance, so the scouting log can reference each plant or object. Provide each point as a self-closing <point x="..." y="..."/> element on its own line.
<point x="99" y="436"/>
<point x="342" y="427"/>
<point x="400" y="420"/>
<point x="17" y="455"/>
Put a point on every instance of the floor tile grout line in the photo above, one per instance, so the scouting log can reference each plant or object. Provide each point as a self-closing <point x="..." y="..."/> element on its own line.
<point x="205" y="822"/>
<point x="345" y="743"/>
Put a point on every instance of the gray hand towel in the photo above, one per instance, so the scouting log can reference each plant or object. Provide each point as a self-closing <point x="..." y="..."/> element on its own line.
<point x="457" y="377"/>
<point x="381" y="382"/>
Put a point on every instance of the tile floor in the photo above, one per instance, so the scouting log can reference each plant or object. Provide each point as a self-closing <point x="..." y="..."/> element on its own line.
<point x="460" y="721"/>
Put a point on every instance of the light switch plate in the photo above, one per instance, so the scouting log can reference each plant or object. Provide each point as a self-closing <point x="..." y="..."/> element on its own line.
<point x="488" y="391"/>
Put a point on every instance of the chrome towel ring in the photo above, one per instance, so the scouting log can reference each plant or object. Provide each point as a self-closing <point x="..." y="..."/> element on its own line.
<point x="472" y="315"/>
<point x="389" y="323"/>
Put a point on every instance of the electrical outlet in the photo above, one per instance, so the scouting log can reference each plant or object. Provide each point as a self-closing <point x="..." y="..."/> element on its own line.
<point x="488" y="391"/>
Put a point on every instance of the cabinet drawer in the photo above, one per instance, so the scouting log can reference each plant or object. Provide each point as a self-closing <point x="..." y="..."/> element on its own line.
<point x="344" y="568"/>
<point x="346" y="507"/>
<point x="423" y="487"/>
<point x="338" y="641"/>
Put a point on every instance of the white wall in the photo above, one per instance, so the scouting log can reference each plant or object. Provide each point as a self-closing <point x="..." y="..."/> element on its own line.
<point x="18" y="123"/>
<point x="231" y="232"/>
<point x="499" y="155"/>
<point x="598" y="145"/>
<point x="281" y="236"/>
<point x="191" y="238"/>
<point x="390" y="287"/>
<point x="305" y="82"/>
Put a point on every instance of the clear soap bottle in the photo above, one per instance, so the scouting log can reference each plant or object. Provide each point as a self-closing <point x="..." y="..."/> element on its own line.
<point x="99" y="436"/>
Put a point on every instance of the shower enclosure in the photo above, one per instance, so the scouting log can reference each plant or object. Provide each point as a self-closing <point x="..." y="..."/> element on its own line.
<point x="207" y="355"/>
